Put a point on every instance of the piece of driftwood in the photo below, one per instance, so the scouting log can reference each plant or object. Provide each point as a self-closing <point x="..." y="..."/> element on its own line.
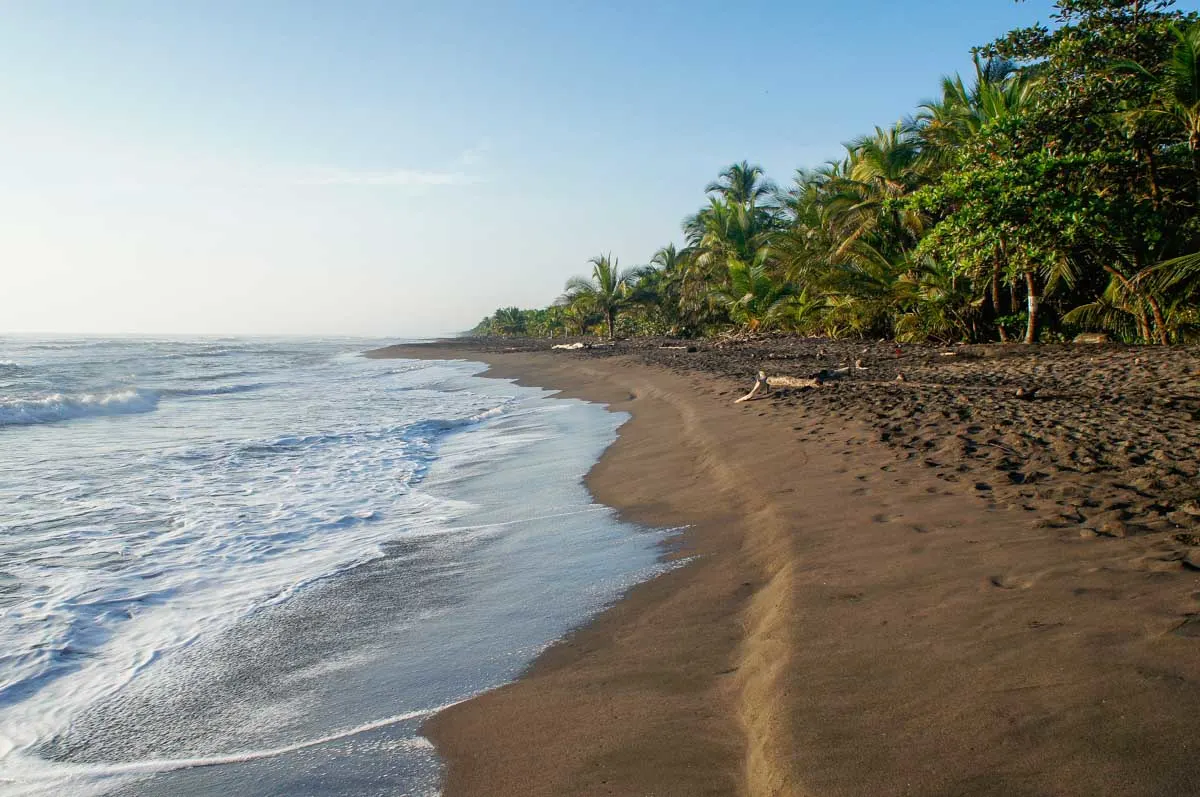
<point x="764" y="384"/>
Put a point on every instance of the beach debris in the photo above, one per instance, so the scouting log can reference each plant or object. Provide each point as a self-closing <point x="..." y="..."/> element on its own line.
<point x="764" y="384"/>
<point x="899" y="377"/>
<point x="568" y="346"/>
<point x="858" y="366"/>
<point x="1027" y="394"/>
<point x="1091" y="337"/>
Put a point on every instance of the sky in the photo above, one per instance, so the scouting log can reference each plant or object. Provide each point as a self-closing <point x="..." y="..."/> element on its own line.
<point x="403" y="168"/>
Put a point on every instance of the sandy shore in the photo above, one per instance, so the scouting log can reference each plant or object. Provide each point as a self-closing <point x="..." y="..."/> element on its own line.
<point x="924" y="587"/>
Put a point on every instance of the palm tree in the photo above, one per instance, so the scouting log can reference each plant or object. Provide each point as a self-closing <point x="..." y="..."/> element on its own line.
<point x="1000" y="90"/>
<point x="936" y="304"/>
<point x="742" y="184"/>
<point x="879" y="169"/>
<point x="751" y="297"/>
<point x="1178" y="89"/>
<point x="509" y="321"/>
<point x="608" y="290"/>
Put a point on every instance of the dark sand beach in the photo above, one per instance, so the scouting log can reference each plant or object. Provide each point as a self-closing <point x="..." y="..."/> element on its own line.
<point x="907" y="581"/>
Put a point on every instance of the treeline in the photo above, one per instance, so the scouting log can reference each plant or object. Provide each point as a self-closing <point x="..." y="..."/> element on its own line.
<point x="1056" y="190"/>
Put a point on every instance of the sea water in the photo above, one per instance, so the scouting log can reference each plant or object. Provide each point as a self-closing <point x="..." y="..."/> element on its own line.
<point x="254" y="567"/>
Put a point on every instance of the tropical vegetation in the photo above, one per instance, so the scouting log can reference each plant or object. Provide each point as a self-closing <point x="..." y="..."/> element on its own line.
<point x="1055" y="190"/>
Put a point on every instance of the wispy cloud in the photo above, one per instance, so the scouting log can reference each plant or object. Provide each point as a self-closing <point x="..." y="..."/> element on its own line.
<point x="389" y="177"/>
<point x="475" y="154"/>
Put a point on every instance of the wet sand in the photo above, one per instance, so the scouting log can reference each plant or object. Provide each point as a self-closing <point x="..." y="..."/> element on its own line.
<point x="919" y="587"/>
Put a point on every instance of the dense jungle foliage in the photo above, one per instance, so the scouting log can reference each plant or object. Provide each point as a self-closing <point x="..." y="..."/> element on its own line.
<point x="1054" y="191"/>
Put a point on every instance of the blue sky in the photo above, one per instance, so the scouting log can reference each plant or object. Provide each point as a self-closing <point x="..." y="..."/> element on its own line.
<point x="396" y="168"/>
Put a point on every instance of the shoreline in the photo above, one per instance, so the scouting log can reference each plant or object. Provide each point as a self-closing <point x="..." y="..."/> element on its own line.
<point x="848" y="624"/>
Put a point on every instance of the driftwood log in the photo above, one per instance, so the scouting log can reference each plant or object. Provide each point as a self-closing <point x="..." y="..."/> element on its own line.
<point x="764" y="384"/>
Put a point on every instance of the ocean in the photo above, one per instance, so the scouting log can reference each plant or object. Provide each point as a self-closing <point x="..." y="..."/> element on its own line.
<point x="254" y="567"/>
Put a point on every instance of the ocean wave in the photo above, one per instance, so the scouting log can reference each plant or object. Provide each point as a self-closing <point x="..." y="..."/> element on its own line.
<point x="61" y="407"/>
<point x="222" y="376"/>
<point x="223" y="390"/>
<point x="423" y="433"/>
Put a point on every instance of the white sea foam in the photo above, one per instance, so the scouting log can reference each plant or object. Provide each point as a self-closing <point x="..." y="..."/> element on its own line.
<point x="107" y="563"/>
<point x="32" y="776"/>
<point x="61" y="407"/>
<point x="127" y="548"/>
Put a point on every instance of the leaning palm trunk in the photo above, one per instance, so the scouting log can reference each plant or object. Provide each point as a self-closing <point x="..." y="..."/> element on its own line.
<point x="1160" y="322"/>
<point x="1143" y="297"/>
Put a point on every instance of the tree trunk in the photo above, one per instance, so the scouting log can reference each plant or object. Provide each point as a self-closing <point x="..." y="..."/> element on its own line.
<point x="1194" y="145"/>
<point x="1144" y="325"/>
<point x="996" y="302"/>
<point x="1159" y="333"/>
<point x="611" y="317"/>
<point x="1160" y="323"/>
<point x="1155" y="197"/>
<point x="1031" y="328"/>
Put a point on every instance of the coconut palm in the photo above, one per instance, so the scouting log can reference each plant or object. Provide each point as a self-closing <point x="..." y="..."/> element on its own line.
<point x="1178" y="88"/>
<point x="752" y="298"/>
<point x="742" y="184"/>
<point x="1000" y="91"/>
<point x="861" y="204"/>
<point x="607" y="292"/>
<point x="509" y="321"/>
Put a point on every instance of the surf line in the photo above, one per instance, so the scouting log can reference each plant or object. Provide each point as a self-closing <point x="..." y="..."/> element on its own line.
<point x="66" y="771"/>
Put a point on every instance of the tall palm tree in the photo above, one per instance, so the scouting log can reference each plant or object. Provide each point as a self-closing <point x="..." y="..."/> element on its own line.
<point x="608" y="291"/>
<point x="879" y="168"/>
<point x="742" y="184"/>
<point x="657" y="289"/>
<point x="1000" y="90"/>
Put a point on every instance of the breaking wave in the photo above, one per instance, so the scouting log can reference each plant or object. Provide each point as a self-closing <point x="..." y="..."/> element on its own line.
<point x="61" y="407"/>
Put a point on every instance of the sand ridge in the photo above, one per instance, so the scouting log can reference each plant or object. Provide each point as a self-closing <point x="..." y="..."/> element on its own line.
<point x="853" y="622"/>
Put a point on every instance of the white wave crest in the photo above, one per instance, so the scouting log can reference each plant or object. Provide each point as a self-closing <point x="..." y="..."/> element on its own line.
<point x="61" y="407"/>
